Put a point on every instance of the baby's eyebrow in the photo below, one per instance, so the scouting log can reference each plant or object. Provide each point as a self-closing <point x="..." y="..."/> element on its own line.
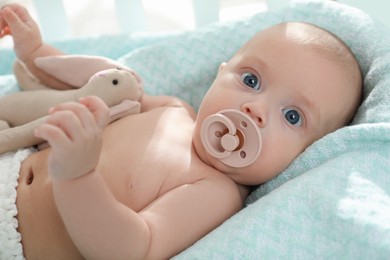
<point x="310" y="108"/>
<point x="258" y="63"/>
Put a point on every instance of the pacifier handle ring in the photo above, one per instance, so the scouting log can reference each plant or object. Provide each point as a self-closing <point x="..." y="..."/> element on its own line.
<point x="207" y="127"/>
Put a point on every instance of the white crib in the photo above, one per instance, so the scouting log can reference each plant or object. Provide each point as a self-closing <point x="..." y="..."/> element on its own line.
<point x="130" y="14"/>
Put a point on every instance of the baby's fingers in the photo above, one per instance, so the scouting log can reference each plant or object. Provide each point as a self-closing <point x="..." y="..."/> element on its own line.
<point x="98" y="108"/>
<point x="52" y="134"/>
<point x="11" y="19"/>
<point x="16" y="14"/>
<point x="76" y="113"/>
<point x="4" y="29"/>
<point x="68" y="122"/>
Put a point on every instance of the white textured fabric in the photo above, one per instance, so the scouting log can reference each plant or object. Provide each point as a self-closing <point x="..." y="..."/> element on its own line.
<point x="10" y="239"/>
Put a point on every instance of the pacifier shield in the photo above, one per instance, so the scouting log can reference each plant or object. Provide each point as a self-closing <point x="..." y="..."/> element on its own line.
<point x="232" y="137"/>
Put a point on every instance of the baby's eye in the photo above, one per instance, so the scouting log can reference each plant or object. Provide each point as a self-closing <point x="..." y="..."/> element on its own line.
<point x="292" y="116"/>
<point x="251" y="80"/>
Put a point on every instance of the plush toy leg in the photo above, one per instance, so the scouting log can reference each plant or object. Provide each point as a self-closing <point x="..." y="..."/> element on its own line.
<point x="20" y="137"/>
<point x="125" y="108"/>
<point x="3" y="125"/>
<point x="25" y="79"/>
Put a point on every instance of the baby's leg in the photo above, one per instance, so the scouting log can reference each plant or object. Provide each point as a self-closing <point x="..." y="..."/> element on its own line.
<point x="24" y="30"/>
<point x="3" y="125"/>
<point x="28" y="45"/>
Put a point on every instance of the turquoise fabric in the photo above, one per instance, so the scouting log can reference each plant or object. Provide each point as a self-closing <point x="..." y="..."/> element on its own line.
<point x="333" y="201"/>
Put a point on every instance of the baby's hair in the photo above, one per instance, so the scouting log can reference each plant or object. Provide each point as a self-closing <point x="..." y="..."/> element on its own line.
<point x="320" y="39"/>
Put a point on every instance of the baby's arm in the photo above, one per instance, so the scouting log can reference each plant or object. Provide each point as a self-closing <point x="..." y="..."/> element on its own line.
<point x="28" y="45"/>
<point x="103" y="228"/>
<point x="96" y="222"/>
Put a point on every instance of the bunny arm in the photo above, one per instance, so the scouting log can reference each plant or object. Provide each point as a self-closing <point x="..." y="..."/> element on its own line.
<point x="125" y="108"/>
<point x="20" y="136"/>
<point x="23" y="136"/>
<point x="76" y="70"/>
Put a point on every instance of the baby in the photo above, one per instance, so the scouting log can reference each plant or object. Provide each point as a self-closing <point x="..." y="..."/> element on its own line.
<point x="149" y="185"/>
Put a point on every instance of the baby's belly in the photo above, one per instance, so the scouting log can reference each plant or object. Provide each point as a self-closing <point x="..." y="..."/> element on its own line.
<point x="43" y="233"/>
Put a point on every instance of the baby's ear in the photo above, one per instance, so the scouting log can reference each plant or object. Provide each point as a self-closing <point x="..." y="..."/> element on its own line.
<point x="222" y="66"/>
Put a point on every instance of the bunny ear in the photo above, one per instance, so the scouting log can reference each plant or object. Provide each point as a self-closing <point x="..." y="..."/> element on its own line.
<point x="74" y="70"/>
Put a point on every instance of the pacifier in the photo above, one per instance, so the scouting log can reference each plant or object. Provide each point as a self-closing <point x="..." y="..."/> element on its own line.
<point x="232" y="137"/>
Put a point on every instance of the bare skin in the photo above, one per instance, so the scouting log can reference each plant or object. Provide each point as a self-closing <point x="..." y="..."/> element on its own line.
<point x="139" y="188"/>
<point x="17" y="19"/>
<point x="147" y="188"/>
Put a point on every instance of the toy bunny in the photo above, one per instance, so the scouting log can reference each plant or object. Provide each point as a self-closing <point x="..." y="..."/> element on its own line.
<point x="22" y="112"/>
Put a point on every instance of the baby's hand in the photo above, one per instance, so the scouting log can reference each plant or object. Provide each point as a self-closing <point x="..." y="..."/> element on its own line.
<point x="15" y="20"/>
<point x="74" y="132"/>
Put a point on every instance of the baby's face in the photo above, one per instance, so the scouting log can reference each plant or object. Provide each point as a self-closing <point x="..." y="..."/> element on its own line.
<point x="293" y="93"/>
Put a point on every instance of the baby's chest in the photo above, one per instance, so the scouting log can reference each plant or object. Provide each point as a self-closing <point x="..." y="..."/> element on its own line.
<point x="144" y="157"/>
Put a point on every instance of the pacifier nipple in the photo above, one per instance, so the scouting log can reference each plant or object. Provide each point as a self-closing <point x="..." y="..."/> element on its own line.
<point x="232" y="137"/>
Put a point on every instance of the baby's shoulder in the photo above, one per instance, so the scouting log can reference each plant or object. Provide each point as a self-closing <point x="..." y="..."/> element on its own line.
<point x="220" y="185"/>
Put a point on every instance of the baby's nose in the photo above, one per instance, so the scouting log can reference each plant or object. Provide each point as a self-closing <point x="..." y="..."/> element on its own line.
<point x="254" y="112"/>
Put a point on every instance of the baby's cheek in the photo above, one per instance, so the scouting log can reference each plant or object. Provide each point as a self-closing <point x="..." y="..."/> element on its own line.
<point x="277" y="156"/>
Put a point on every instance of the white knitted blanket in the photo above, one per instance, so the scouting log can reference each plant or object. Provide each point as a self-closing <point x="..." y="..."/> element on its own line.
<point x="10" y="239"/>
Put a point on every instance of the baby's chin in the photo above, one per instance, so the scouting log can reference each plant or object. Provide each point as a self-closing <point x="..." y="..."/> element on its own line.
<point x="215" y="163"/>
<point x="247" y="176"/>
<point x="206" y="157"/>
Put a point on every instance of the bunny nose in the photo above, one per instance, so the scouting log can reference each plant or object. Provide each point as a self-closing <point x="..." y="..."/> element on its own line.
<point x="232" y="137"/>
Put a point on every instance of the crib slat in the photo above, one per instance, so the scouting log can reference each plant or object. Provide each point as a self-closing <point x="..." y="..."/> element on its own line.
<point x="276" y="4"/>
<point x="52" y="19"/>
<point x="131" y="15"/>
<point x="205" y="12"/>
